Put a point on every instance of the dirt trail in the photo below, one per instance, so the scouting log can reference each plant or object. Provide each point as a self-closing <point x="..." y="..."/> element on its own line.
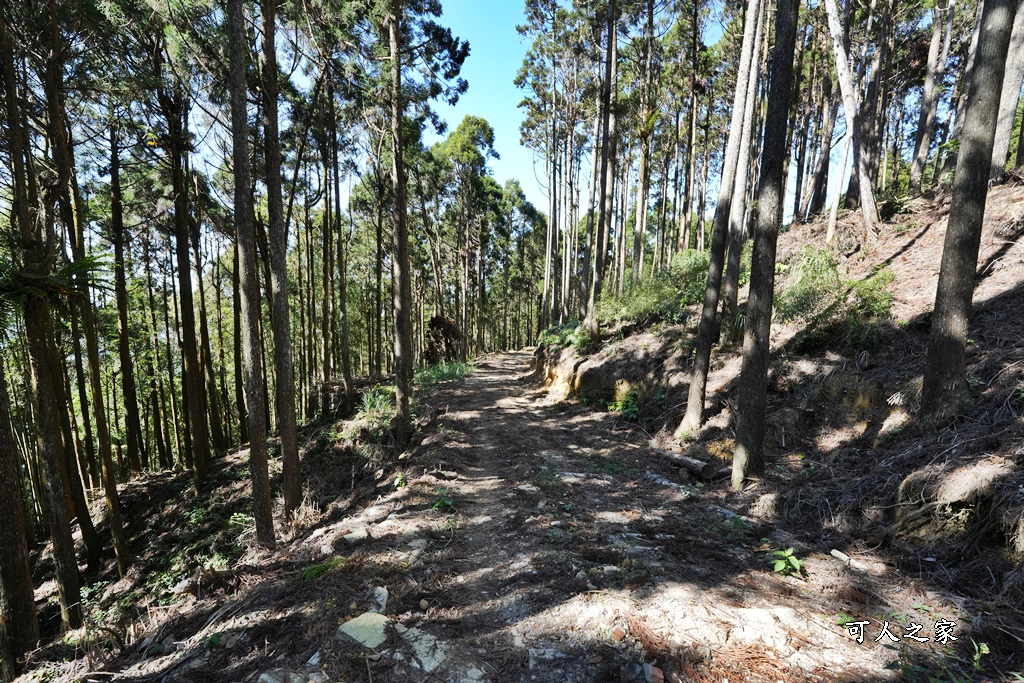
<point x="560" y="551"/>
<point x="529" y="539"/>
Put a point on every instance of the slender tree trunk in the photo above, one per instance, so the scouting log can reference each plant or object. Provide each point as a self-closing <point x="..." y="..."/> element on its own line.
<point x="83" y="401"/>
<point x="285" y="370"/>
<point x="608" y="104"/>
<point x="929" y="94"/>
<point x="19" y="625"/>
<point x="820" y="192"/>
<point x="194" y="392"/>
<point x="156" y="387"/>
<point x="750" y="417"/>
<point x="1014" y="76"/>
<point x="400" y="257"/>
<point x="738" y="209"/>
<point x="252" y="347"/>
<point x="220" y="442"/>
<point x="706" y="330"/>
<point x="236" y="289"/>
<point x="945" y="375"/>
<point x="131" y="404"/>
<point x="866" y="187"/>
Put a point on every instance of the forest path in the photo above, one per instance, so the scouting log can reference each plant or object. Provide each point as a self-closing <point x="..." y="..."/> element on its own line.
<point x="559" y="555"/>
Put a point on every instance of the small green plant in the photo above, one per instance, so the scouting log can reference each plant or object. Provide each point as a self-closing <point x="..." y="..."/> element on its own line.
<point x="443" y="502"/>
<point x="400" y="481"/>
<point x="786" y="563"/>
<point x="843" y="619"/>
<point x="378" y="400"/>
<point x="450" y="525"/>
<point x="629" y="406"/>
<point x="315" y="571"/>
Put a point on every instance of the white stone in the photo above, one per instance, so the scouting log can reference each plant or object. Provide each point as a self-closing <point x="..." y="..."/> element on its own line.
<point x="429" y="652"/>
<point x="369" y="629"/>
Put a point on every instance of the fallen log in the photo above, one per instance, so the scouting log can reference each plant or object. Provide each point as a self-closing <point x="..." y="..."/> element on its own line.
<point x="698" y="468"/>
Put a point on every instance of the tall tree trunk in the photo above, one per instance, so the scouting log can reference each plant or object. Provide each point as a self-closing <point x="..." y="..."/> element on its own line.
<point x="750" y="417"/>
<point x="400" y="257"/>
<point x="72" y="216"/>
<point x="194" y="392"/>
<point x="236" y="317"/>
<point x="1010" y="95"/>
<point x="285" y="370"/>
<point x="156" y="387"/>
<point x="249" y="279"/>
<point x="19" y="625"/>
<point x="706" y="330"/>
<point x="929" y="94"/>
<point x="819" y="194"/>
<point x="866" y="188"/>
<point x="945" y="375"/>
<point x="131" y="402"/>
<point x="608" y="140"/>
<point x="220" y="442"/>
<point x="75" y="226"/>
<point x="738" y="209"/>
<point x="83" y="400"/>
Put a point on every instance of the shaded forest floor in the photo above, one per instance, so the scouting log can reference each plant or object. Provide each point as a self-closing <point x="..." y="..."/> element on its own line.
<point x="531" y="534"/>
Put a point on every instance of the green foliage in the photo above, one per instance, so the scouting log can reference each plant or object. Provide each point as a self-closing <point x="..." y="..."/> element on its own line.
<point x="377" y="401"/>
<point x="826" y="302"/>
<point x="662" y="296"/>
<point x="443" y="502"/>
<point x="315" y="571"/>
<point x="562" y="336"/>
<point x="442" y="372"/>
<point x="629" y="406"/>
<point x="816" y="287"/>
<point x="786" y="562"/>
<point x="948" y="668"/>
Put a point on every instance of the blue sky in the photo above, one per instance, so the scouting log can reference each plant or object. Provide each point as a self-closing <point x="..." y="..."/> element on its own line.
<point x="496" y="53"/>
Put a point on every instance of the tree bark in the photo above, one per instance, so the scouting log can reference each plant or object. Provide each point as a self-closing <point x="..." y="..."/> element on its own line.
<point x="706" y="330"/>
<point x="19" y="625"/>
<point x="400" y="257"/>
<point x="591" y="323"/>
<point x="866" y="189"/>
<point x="285" y="370"/>
<point x="128" y="387"/>
<point x="738" y="208"/>
<point x="945" y="378"/>
<point x="750" y="417"/>
<point x="929" y="93"/>
<point x="250" y="313"/>
<point x="1012" y="79"/>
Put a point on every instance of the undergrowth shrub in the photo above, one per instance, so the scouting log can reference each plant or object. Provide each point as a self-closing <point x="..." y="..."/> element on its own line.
<point x="663" y="296"/>
<point x="827" y="303"/>
<point x="570" y="334"/>
<point x="442" y="372"/>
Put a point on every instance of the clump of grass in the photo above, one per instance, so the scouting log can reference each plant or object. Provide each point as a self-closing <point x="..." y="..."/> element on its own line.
<point x="315" y="571"/>
<point x="442" y="372"/>
<point x="828" y="303"/>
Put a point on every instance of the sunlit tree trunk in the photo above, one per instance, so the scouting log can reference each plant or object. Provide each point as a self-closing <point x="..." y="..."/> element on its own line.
<point x="945" y="377"/>
<point x="750" y="416"/>
<point x="867" y="193"/>
<point x="706" y="330"/>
